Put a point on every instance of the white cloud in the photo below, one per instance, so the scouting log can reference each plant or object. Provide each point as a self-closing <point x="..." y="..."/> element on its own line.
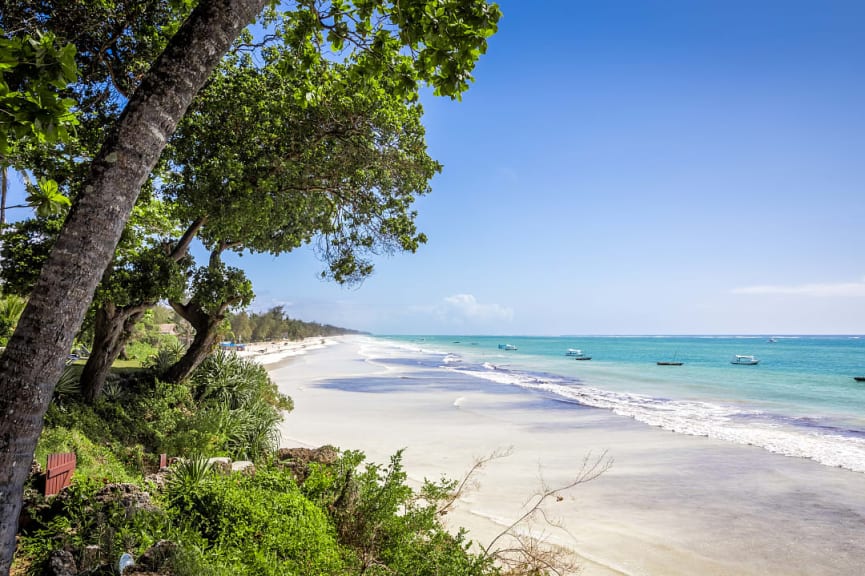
<point x="840" y="289"/>
<point x="464" y="310"/>
<point x="467" y="306"/>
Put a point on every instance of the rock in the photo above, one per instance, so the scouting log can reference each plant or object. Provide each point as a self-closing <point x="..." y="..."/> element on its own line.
<point x="221" y="464"/>
<point x="154" y="559"/>
<point x="244" y="466"/>
<point x="158" y="479"/>
<point x="61" y="563"/>
<point x="298" y="459"/>
<point x="90" y="557"/>
<point x="132" y="498"/>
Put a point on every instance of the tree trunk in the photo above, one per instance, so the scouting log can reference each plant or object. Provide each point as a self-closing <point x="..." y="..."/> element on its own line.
<point x="206" y="336"/>
<point x="111" y="331"/>
<point x="34" y="357"/>
<point x="114" y="325"/>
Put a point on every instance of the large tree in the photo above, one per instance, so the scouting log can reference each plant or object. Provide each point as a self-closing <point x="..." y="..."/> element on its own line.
<point x="116" y="42"/>
<point x="33" y="359"/>
<point x="416" y="40"/>
<point x="266" y="170"/>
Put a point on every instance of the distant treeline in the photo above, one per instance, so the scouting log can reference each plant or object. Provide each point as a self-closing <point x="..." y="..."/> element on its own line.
<point x="275" y="325"/>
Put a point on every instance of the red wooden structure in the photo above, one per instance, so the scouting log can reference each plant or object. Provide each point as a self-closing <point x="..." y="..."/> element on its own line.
<point x="58" y="472"/>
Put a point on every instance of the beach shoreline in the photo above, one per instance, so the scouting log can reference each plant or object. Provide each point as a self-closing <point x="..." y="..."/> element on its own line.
<point x="670" y="504"/>
<point x="277" y="353"/>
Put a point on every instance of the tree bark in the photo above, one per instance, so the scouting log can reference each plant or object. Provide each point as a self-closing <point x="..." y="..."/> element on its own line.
<point x="206" y="336"/>
<point x="111" y="331"/>
<point x="34" y="357"/>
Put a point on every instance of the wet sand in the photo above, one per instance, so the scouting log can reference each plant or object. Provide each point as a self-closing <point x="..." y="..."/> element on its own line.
<point x="670" y="504"/>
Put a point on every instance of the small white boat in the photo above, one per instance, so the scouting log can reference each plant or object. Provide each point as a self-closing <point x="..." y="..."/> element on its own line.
<point x="577" y="354"/>
<point x="744" y="360"/>
<point x="507" y="347"/>
<point x="772" y="340"/>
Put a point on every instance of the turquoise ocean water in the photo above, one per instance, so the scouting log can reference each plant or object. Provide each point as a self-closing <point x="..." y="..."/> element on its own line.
<point x="800" y="400"/>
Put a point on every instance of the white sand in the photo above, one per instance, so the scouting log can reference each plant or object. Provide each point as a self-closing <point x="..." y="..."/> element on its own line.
<point x="670" y="505"/>
<point x="270" y="353"/>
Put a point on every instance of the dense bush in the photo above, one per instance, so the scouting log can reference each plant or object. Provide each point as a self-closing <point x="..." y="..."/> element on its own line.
<point x="388" y="527"/>
<point x="230" y="407"/>
<point x="262" y="521"/>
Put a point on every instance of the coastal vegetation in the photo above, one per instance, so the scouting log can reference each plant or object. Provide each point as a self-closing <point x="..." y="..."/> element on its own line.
<point x="141" y="127"/>
<point x="286" y="511"/>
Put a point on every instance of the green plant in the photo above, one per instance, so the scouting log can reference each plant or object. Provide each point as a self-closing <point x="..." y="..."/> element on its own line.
<point x="387" y="527"/>
<point x="93" y="460"/>
<point x="239" y="404"/>
<point x="11" y="307"/>
<point x="186" y="476"/>
<point x="264" y="521"/>
<point x="165" y="356"/>
<point x="69" y="383"/>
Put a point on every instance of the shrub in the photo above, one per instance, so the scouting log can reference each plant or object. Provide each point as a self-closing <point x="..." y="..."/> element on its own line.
<point x="264" y="522"/>
<point x="389" y="528"/>
<point x="84" y="516"/>
<point x="238" y="404"/>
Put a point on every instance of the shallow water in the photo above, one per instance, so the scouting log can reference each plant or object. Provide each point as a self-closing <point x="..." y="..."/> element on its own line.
<point x="801" y="399"/>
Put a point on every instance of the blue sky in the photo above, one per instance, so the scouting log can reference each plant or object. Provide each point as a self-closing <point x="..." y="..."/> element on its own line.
<point x="632" y="167"/>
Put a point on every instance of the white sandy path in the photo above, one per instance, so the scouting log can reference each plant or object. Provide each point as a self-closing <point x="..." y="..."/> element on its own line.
<point x="671" y="504"/>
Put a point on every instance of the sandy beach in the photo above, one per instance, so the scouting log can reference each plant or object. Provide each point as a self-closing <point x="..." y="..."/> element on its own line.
<point x="670" y="504"/>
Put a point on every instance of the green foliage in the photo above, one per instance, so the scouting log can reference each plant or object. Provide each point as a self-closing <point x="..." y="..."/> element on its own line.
<point x="24" y="246"/>
<point x="268" y="170"/>
<point x="264" y="522"/>
<point x="216" y="287"/>
<point x="78" y="519"/>
<point x="186" y="477"/>
<point x="33" y="72"/>
<point x="11" y="307"/>
<point x="389" y="528"/>
<point x="147" y="275"/>
<point x="239" y="403"/>
<point x="165" y="357"/>
<point x="69" y="384"/>
<point x="347" y="518"/>
<point x="412" y="41"/>
<point x="93" y="460"/>
<point x="275" y="324"/>
<point x="46" y="198"/>
<point x="229" y="407"/>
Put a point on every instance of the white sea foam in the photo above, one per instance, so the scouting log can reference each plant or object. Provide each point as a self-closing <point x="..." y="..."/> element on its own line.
<point x="700" y="419"/>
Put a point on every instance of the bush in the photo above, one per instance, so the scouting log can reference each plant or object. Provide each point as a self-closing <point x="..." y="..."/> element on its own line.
<point x="239" y="405"/>
<point x="389" y="528"/>
<point x="264" y="522"/>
